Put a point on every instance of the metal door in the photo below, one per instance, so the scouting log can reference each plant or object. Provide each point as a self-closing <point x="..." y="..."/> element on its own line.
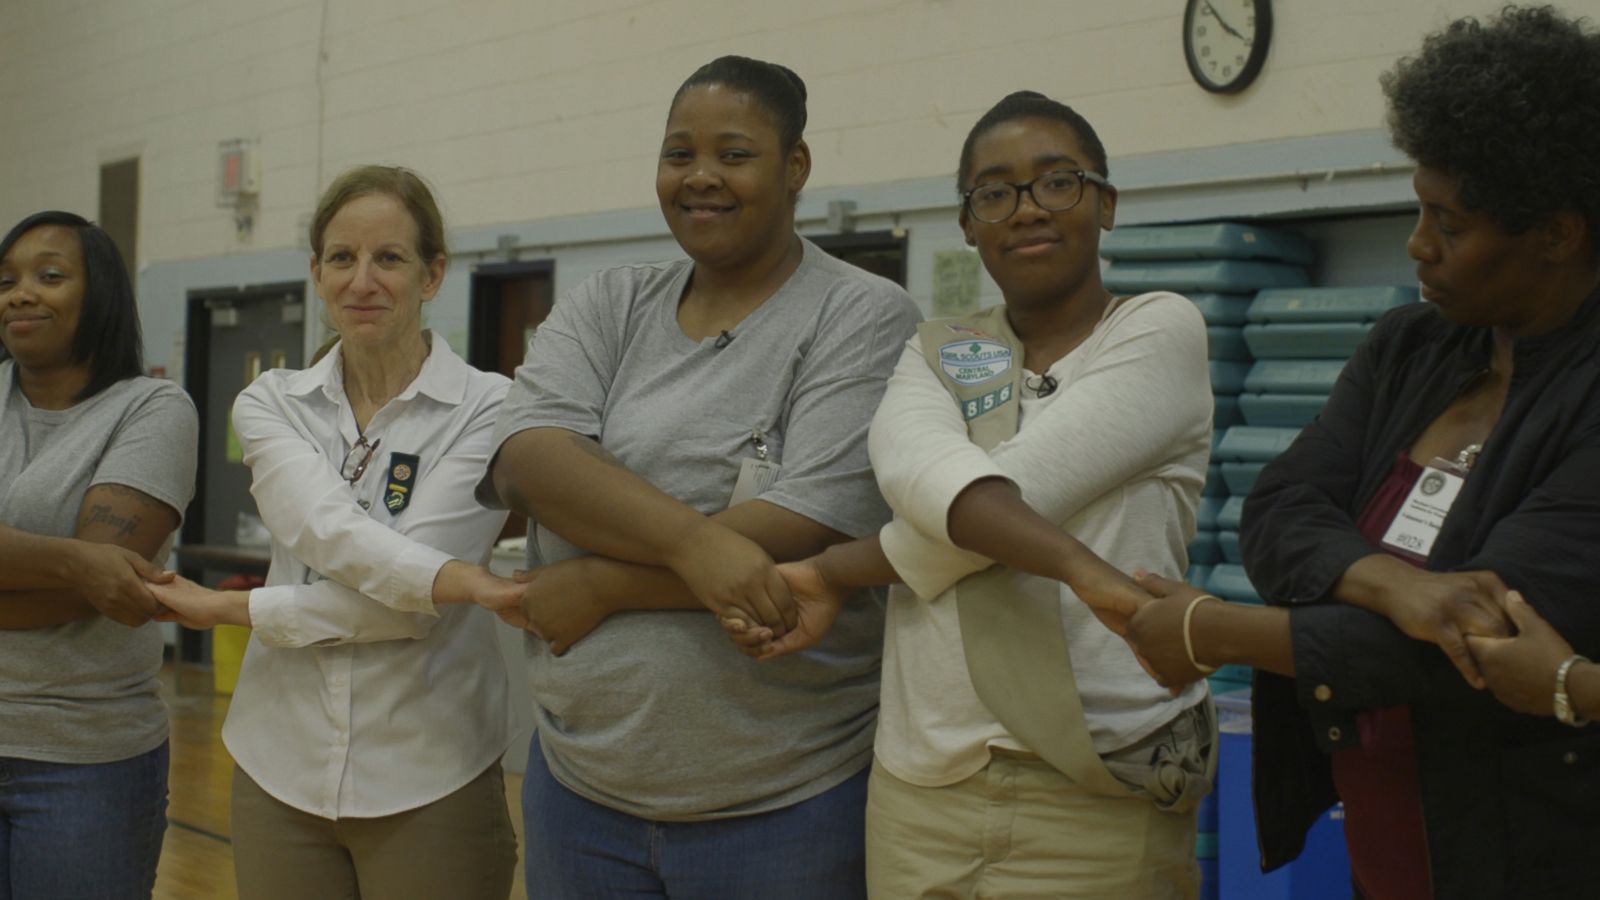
<point x="231" y="336"/>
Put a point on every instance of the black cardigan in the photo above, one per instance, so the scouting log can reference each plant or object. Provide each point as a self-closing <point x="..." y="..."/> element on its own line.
<point x="1511" y="802"/>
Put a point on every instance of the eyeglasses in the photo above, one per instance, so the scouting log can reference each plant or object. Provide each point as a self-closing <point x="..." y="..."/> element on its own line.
<point x="358" y="459"/>
<point x="1056" y="191"/>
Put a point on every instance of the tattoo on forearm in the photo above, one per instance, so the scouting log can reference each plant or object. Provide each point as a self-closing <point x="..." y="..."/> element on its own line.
<point x="100" y="514"/>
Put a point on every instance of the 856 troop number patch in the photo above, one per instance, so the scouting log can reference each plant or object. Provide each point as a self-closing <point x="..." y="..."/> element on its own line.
<point x="977" y="406"/>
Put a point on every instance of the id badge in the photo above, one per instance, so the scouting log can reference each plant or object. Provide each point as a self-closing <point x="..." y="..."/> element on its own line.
<point x="755" y="475"/>
<point x="1417" y="525"/>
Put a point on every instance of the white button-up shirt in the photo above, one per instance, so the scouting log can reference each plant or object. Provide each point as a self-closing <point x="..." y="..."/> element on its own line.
<point x="357" y="698"/>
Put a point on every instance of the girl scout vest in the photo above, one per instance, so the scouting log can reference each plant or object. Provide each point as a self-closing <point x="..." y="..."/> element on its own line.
<point x="1014" y="641"/>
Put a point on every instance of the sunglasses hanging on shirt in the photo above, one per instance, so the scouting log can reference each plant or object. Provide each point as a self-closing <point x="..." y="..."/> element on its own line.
<point x="1041" y="385"/>
<point x="357" y="460"/>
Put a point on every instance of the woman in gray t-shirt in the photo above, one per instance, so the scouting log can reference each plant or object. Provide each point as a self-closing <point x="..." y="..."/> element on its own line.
<point x="97" y="463"/>
<point x="686" y="423"/>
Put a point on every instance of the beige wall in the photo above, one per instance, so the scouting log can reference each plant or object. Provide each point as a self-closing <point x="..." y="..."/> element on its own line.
<point x="522" y="110"/>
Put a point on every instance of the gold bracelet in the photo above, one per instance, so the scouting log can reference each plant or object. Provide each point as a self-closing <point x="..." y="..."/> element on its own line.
<point x="1188" y="642"/>
<point x="1564" y="709"/>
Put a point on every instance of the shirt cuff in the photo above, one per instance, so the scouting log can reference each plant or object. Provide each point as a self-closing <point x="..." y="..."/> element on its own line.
<point x="927" y="567"/>
<point x="1324" y="682"/>
<point x="408" y="587"/>
<point x="928" y="499"/>
<point x="272" y="616"/>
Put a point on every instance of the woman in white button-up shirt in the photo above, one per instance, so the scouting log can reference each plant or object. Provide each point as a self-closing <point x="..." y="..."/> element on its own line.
<point x="371" y="711"/>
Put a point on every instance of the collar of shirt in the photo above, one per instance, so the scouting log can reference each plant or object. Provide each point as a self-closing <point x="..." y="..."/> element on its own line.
<point x="443" y="376"/>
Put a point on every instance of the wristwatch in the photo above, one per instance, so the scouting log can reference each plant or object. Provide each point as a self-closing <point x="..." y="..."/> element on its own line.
<point x="1564" y="711"/>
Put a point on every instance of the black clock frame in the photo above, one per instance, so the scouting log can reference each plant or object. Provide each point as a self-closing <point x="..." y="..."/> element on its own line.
<point x="1252" y="65"/>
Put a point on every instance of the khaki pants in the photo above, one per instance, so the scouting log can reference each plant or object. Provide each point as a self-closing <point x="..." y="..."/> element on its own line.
<point x="1019" y="828"/>
<point x="460" y="846"/>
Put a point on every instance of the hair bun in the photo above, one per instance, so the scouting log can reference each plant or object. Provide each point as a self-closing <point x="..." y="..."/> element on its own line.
<point x="776" y="87"/>
<point x="793" y="78"/>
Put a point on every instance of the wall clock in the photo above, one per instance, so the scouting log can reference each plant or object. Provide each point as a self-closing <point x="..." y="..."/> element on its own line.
<point x="1225" y="42"/>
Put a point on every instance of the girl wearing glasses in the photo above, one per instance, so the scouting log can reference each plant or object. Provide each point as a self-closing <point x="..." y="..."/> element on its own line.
<point x="97" y="463"/>
<point x="371" y="711"/>
<point x="687" y="423"/>
<point x="1021" y="750"/>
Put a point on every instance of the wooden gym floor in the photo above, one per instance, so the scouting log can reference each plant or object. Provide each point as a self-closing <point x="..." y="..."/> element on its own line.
<point x="197" y="857"/>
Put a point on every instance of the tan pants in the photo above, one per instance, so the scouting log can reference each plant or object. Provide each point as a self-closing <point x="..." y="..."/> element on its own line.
<point x="460" y="846"/>
<point x="1019" y="828"/>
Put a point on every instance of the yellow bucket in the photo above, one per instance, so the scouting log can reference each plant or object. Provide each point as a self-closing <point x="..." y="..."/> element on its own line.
<point x="227" y="654"/>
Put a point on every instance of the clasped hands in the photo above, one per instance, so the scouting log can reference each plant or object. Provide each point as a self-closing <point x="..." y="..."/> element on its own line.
<point x="118" y="582"/>
<point x="1110" y="595"/>
<point x="771" y="609"/>
<point x="127" y="588"/>
<point x="713" y="567"/>
<point x="1470" y="616"/>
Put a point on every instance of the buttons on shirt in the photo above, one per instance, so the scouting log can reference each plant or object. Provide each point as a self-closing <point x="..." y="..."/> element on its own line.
<point x="1323" y="693"/>
<point x="1570" y="757"/>
<point x="1335" y="733"/>
<point x="364" y="504"/>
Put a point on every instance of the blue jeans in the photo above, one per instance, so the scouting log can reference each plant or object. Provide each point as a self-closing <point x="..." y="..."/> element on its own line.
<point x="82" y="830"/>
<point x="577" y="848"/>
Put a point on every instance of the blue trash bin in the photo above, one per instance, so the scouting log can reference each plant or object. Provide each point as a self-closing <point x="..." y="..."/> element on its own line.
<point x="1323" y="870"/>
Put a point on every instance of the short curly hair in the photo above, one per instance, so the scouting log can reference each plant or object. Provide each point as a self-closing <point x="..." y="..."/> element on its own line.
<point x="1512" y="109"/>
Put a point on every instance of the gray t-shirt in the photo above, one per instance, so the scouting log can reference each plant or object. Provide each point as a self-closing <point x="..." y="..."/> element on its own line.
<point x="655" y="713"/>
<point x="87" y="692"/>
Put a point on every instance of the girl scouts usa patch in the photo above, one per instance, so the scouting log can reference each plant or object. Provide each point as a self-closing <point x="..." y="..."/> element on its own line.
<point x="402" y="479"/>
<point x="975" y="361"/>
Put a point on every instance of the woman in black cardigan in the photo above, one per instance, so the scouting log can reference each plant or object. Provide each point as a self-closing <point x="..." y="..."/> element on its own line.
<point x="1368" y="690"/>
